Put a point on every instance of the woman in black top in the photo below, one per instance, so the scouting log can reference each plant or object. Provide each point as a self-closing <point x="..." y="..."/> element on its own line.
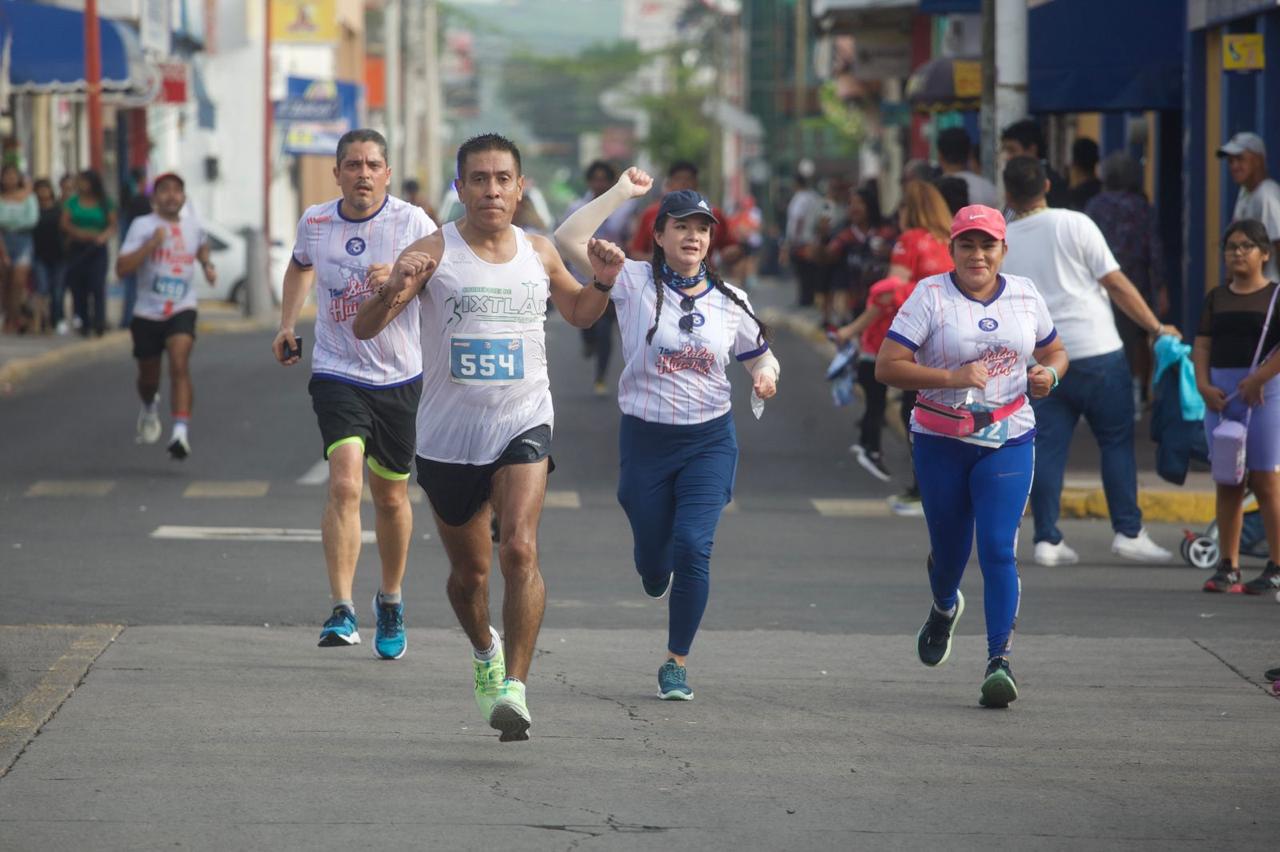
<point x="48" y="258"/>
<point x="1230" y="325"/>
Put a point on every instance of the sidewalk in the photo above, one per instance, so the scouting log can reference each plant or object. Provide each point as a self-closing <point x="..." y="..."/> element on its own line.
<point x="1082" y="495"/>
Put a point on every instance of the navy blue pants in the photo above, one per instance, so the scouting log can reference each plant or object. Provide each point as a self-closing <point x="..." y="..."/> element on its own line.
<point x="675" y="481"/>
<point x="963" y="486"/>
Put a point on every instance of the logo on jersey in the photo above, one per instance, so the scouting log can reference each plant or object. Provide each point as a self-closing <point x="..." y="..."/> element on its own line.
<point x="700" y="360"/>
<point x="344" y="303"/>
<point x="355" y="246"/>
<point x="498" y="304"/>
<point x="988" y="324"/>
<point x="1000" y="358"/>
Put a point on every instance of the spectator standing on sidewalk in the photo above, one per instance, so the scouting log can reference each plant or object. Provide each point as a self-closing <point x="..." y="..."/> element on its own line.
<point x="1067" y="256"/>
<point x="955" y="150"/>
<point x="1226" y="345"/>
<point x="89" y="221"/>
<point x="1128" y="221"/>
<point x="1025" y="139"/>
<point x="1259" y="196"/>
<point x="803" y="214"/>
<point x="1084" y="173"/>
<point x="49" y="256"/>
<point x="18" y="216"/>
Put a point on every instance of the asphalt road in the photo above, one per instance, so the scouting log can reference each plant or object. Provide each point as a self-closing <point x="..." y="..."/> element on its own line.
<point x="205" y="720"/>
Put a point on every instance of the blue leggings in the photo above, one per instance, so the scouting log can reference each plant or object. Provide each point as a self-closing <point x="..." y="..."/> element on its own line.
<point x="963" y="485"/>
<point x="674" y="483"/>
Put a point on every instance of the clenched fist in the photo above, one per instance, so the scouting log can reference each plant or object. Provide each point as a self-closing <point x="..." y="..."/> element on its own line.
<point x="606" y="260"/>
<point x="637" y="180"/>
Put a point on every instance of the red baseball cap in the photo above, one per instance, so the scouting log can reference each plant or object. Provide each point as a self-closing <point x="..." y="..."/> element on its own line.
<point x="977" y="217"/>
<point x="169" y="176"/>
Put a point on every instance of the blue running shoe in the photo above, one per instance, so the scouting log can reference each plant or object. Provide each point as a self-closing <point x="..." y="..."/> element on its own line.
<point x="388" y="639"/>
<point x="340" y="629"/>
<point x="656" y="589"/>
<point x="672" y="682"/>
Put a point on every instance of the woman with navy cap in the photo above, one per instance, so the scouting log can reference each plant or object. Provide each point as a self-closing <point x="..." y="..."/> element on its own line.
<point x="963" y="340"/>
<point x="680" y="326"/>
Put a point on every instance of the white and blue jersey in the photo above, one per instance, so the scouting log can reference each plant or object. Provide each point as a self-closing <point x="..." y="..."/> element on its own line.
<point x="946" y="328"/>
<point x="341" y="250"/>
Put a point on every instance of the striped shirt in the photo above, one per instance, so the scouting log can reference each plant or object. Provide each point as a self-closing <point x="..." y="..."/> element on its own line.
<point x="947" y="328"/>
<point x="166" y="277"/>
<point x="679" y="378"/>
<point x="341" y="250"/>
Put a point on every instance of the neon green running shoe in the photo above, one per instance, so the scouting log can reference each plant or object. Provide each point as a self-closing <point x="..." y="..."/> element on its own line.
<point x="489" y="677"/>
<point x="999" y="689"/>
<point x="510" y="714"/>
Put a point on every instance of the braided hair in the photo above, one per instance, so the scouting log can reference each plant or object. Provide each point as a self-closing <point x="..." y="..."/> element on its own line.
<point x="660" y="259"/>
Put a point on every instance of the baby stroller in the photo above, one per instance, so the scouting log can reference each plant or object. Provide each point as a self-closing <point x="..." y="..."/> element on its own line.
<point x="1201" y="550"/>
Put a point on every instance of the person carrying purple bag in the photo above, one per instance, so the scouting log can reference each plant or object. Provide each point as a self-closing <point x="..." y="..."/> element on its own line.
<point x="1239" y="383"/>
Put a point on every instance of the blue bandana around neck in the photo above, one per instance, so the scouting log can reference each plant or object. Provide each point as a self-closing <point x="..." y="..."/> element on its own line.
<point x="680" y="281"/>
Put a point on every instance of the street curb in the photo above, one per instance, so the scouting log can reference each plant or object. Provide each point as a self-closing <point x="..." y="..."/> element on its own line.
<point x="1157" y="505"/>
<point x="19" y="369"/>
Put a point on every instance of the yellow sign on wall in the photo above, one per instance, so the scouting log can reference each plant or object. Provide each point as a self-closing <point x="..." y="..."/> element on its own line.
<point x="304" y="21"/>
<point x="967" y="78"/>
<point x="1243" y="52"/>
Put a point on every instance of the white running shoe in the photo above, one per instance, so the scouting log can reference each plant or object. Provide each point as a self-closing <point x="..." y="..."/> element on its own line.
<point x="871" y="463"/>
<point x="149" y="427"/>
<point x="1048" y="553"/>
<point x="1140" y="548"/>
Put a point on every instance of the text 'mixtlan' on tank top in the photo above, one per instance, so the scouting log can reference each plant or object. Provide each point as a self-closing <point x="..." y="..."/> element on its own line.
<point x="484" y="353"/>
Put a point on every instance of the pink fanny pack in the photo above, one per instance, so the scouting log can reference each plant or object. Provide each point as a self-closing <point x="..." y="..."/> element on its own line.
<point x="960" y="422"/>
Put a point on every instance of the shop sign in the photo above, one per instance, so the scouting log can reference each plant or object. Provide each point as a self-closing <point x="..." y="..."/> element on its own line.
<point x="173" y="82"/>
<point x="304" y="21"/>
<point x="1243" y="52"/>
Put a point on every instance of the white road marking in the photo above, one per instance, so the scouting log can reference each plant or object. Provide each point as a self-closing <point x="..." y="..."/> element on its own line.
<point x="228" y="488"/>
<point x="71" y="488"/>
<point x="852" y="508"/>
<point x="317" y="475"/>
<point x="182" y="533"/>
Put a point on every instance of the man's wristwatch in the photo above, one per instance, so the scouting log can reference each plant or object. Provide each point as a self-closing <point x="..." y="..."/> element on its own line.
<point x="602" y="287"/>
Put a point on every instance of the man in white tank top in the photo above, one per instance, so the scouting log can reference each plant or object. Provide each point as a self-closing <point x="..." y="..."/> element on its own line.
<point x="485" y="419"/>
<point x="364" y="392"/>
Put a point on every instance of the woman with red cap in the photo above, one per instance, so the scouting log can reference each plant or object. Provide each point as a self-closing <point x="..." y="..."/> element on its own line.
<point x="963" y="340"/>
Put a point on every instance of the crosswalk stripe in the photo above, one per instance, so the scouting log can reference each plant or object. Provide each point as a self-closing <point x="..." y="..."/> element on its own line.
<point x="562" y="500"/>
<point x="228" y="488"/>
<point x="318" y="474"/>
<point x="186" y="533"/>
<point x="71" y="488"/>
<point x="851" y="508"/>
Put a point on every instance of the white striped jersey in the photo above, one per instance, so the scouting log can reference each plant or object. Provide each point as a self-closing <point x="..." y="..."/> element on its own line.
<point x="947" y="329"/>
<point x="484" y="352"/>
<point x="679" y="378"/>
<point x="341" y="250"/>
<point x="166" y="278"/>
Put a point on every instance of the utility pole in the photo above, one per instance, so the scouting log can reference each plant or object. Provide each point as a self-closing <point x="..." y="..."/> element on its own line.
<point x="266" y="121"/>
<point x="1011" y="62"/>
<point x="93" y="82"/>
<point x="433" y="102"/>
<point x="391" y="40"/>
<point x="801" y="50"/>
<point x="413" y="26"/>
<point x="988" y="129"/>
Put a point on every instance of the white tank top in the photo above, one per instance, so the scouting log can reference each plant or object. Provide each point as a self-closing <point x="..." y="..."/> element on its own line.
<point x="484" y="353"/>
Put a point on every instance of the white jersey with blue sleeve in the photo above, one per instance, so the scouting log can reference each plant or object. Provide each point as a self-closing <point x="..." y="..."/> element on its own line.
<point x="947" y="328"/>
<point x="680" y="377"/>
<point x="341" y="250"/>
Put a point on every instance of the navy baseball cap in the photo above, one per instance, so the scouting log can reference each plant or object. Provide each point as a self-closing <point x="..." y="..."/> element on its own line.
<point x="685" y="202"/>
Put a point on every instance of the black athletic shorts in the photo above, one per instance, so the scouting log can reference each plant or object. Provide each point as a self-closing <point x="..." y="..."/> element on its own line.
<point x="149" y="336"/>
<point x="383" y="420"/>
<point x="457" y="491"/>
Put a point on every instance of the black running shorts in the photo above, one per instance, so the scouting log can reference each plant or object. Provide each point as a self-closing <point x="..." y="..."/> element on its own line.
<point x="149" y="336"/>
<point x="457" y="491"/>
<point x="382" y="420"/>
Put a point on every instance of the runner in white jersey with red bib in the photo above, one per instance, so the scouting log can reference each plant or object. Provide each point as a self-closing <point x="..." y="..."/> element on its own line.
<point x="364" y="392"/>
<point x="681" y="328"/>
<point x="963" y="340"/>
<point x="163" y="249"/>
<point x="484" y="423"/>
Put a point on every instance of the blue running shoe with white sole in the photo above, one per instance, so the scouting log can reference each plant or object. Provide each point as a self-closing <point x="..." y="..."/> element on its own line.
<point x="340" y="628"/>
<point x="673" y="682"/>
<point x="933" y="642"/>
<point x="389" y="640"/>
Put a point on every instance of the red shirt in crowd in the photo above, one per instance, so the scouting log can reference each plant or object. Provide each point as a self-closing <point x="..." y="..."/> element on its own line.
<point x="923" y="255"/>
<point x="642" y="240"/>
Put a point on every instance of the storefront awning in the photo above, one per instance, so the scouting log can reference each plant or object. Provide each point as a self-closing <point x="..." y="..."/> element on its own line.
<point x="42" y="50"/>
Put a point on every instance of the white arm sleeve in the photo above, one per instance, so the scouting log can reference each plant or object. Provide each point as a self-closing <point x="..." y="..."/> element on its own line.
<point x="762" y="364"/>
<point x="574" y="232"/>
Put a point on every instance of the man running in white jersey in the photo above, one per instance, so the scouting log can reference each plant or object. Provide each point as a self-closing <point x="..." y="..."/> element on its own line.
<point x="364" y="392"/>
<point x="162" y="249"/>
<point x="484" y="424"/>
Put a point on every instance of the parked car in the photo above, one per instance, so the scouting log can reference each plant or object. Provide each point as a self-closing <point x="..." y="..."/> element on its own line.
<point x="230" y="255"/>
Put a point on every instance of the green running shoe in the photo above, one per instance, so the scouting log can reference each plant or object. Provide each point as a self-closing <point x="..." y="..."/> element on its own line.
<point x="510" y="714"/>
<point x="999" y="689"/>
<point x="489" y="677"/>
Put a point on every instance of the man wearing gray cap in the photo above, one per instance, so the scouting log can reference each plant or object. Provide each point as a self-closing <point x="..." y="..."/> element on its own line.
<point x="1259" y="196"/>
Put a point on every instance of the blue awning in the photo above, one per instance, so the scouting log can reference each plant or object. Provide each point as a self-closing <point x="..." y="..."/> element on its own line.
<point x="45" y="46"/>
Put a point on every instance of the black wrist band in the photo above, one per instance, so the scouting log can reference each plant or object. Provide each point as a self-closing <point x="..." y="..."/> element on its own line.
<point x="603" y="288"/>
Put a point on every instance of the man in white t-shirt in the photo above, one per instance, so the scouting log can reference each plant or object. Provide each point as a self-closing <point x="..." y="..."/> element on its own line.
<point x="1259" y="197"/>
<point x="364" y="392"/>
<point x="1067" y="257"/>
<point x="162" y="249"/>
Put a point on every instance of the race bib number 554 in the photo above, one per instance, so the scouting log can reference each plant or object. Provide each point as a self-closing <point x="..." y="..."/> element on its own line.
<point x="486" y="360"/>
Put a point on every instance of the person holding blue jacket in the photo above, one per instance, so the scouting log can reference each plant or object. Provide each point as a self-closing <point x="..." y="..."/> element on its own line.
<point x="963" y="340"/>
